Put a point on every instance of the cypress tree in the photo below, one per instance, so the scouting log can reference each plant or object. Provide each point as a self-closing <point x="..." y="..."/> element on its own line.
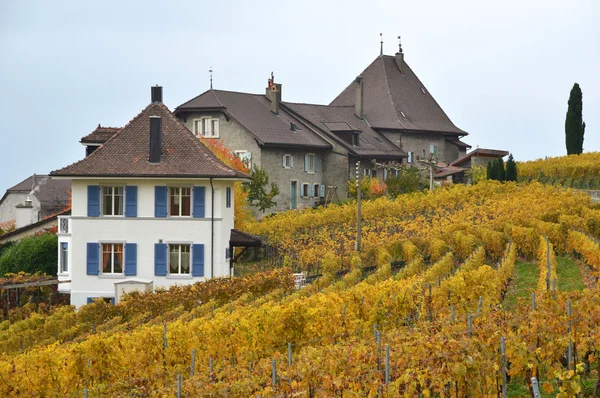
<point x="511" y="169"/>
<point x="490" y="171"/>
<point x="501" y="173"/>
<point x="574" y="125"/>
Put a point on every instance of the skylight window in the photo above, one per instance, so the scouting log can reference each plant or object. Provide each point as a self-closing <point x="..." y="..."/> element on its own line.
<point x="403" y="115"/>
<point x="423" y="90"/>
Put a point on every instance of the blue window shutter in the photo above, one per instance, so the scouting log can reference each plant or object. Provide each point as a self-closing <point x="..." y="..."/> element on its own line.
<point x="227" y="252"/>
<point x="322" y="191"/>
<point x="316" y="164"/>
<point x="130" y="201"/>
<point x="160" y="259"/>
<point x="90" y="300"/>
<point x="199" y="202"/>
<point x="130" y="259"/>
<point x="160" y="201"/>
<point x="93" y="200"/>
<point x="197" y="260"/>
<point x="93" y="258"/>
<point x="305" y="163"/>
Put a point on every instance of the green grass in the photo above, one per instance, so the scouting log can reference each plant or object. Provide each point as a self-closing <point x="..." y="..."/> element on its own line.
<point x="568" y="275"/>
<point x="524" y="282"/>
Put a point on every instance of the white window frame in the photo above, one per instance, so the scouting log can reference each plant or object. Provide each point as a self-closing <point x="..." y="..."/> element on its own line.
<point x="245" y="156"/>
<point x="112" y="196"/>
<point x="189" y="252"/>
<point x="366" y="172"/>
<point x="209" y="127"/>
<point x="64" y="257"/>
<point x="112" y="260"/>
<point x="411" y="157"/>
<point x="180" y="187"/>
<point x="310" y="168"/>
<point x="288" y="162"/>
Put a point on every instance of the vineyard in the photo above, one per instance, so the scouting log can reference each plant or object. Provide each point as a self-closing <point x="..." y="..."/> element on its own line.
<point x="574" y="171"/>
<point x="427" y="320"/>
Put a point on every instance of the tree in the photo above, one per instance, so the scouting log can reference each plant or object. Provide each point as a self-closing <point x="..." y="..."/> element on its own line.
<point x="257" y="190"/>
<point x="574" y="124"/>
<point x="490" y="171"/>
<point x="32" y="254"/>
<point x="501" y="172"/>
<point x="511" y="169"/>
<point x="409" y="179"/>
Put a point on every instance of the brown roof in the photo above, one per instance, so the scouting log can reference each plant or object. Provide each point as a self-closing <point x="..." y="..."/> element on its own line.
<point x="244" y="239"/>
<point x="126" y="153"/>
<point x="100" y="135"/>
<point x="389" y="93"/>
<point x="447" y="171"/>
<point x="331" y="119"/>
<point x="458" y="143"/>
<point x="488" y="153"/>
<point x="253" y="112"/>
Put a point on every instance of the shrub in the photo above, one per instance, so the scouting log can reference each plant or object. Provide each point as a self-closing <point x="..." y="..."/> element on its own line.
<point x="32" y="254"/>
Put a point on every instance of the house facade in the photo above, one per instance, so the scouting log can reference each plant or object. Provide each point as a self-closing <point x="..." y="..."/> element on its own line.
<point x="385" y="116"/>
<point x="34" y="199"/>
<point x="152" y="206"/>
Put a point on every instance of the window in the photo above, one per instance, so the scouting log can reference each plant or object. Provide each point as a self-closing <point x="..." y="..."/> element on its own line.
<point x="316" y="190"/>
<point x="228" y="197"/>
<point x="288" y="161"/>
<point x="180" y="201"/>
<point x="112" y="258"/>
<point x="367" y="172"/>
<point x="206" y="127"/>
<point x="179" y="259"/>
<point x="112" y="201"/>
<point x="245" y="156"/>
<point x="309" y="163"/>
<point x="305" y="191"/>
<point x="411" y="157"/>
<point x="433" y="150"/>
<point x="64" y="257"/>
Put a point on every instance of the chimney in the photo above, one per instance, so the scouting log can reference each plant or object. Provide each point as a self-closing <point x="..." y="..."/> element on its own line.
<point x="358" y="97"/>
<point x="24" y="214"/>
<point x="156" y="94"/>
<point x="156" y="138"/>
<point x="273" y="93"/>
<point x="400" y="56"/>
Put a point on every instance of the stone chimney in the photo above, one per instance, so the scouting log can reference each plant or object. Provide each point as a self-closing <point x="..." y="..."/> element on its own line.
<point x="24" y="214"/>
<point x="273" y="93"/>
<point x="156" y="139"/>
<point x="358" y="97"/>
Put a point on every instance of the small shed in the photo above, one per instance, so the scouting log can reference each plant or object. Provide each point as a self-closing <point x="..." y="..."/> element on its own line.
<point x="130" y="285"/>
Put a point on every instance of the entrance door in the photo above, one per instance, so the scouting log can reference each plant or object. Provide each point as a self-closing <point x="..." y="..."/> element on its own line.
<point x="293" y="193"/>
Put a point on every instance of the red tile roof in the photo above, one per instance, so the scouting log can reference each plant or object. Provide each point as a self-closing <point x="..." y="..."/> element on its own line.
<point x="126" y="153"/>
<point x="100" y="135"/>
<point x="389" y="93"/>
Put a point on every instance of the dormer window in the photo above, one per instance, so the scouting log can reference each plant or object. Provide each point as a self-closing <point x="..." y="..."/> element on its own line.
<point x="206" y="127"/>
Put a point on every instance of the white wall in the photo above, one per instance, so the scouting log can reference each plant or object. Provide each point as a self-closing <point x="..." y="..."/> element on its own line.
<point x="8" y="209"/>
<point x="145" y="230"/>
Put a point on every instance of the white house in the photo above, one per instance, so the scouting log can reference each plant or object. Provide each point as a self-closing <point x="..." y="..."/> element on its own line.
<point x="152" y="205"/>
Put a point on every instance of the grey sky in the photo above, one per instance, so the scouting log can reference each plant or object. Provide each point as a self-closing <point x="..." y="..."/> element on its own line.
<point x="501" y="71"/>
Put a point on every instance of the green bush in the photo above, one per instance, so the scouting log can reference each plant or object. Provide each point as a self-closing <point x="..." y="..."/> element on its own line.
<point x="32" y="254"/>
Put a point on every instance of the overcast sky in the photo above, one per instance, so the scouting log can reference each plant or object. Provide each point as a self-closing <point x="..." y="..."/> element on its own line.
<point x="501" y="72"/>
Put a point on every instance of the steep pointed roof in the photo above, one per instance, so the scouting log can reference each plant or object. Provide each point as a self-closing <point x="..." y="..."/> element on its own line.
<point x="253" y="112"/>
<point x="126" y="153"/>
<point x="397" y="100"/>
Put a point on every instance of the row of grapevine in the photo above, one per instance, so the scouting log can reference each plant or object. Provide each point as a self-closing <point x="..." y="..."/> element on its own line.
<point x="546" y="260"/>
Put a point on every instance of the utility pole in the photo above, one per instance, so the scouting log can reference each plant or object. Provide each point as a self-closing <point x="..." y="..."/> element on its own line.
<point x="358" y="207"/>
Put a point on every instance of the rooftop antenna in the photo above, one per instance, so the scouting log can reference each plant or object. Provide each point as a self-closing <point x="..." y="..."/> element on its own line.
<point x="381" y="44"/>
<point x="210" y="71"/>
<point x="399" y="45"/>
